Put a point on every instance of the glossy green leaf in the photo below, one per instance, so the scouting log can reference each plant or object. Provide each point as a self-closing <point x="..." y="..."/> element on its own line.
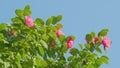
<point x="104" y="59"/>
<point x="89" y="37"/>
<point x="39" y="22"/>
<point x="103" y="32"/>
<point x="44" y="44"/>
<point x="59" y="26"/>
<point x="16" y="20"/>
<point x="27" y="11"/>
<point x="39" y="62"/>
<point x="70" y="58"/>
<point x="100" y="39"/>
<point x="59" y="18"/>
<point x="19" y="12"/>
<point x="62" y="38"/>
<point x="64" y="48"/>
<point x="3" y="26"/>
<point x="92" y="47"/>
<point x="99" y="50"/>
<point x="41" y="51"/>
<point x="80" y="45"/>
<point x="74" y="51"/>
<point x="49" y="21"/>
<point x="54" y="21"/>
<point x="87" y="46"/>
<point x="27" y="64"/>
<point x="93" y="34"/>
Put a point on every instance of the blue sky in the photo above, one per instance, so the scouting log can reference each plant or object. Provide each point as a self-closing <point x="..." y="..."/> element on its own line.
<point x="79" y="17"/>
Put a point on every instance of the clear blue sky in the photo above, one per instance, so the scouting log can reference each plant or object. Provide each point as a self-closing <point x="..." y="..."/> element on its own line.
<point x="79" y="17"/>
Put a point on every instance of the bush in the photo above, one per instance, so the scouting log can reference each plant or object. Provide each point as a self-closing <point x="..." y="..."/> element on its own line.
<point x="38" y="44"/>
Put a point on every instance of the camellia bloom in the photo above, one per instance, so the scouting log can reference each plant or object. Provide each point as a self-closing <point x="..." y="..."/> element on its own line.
<point x="28" y="21"/>
<point x="12" y="32"/>
<point x="59" y="32"/>
<point x="106" y="42"/>
<point x="95" y="40"/>
<point x="70" y="43"/>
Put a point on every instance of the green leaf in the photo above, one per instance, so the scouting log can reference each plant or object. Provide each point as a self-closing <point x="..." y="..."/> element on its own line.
<point x="103" y="32"/>
<point x="70" y="58"/>
<point x="90" y="66"/>
<point x="18" y="56"/>
<point x="45" y="37"/>
<point x="59" y="26"/>
<point x="19" y="12"/>
<point x="99" y="50"/>
<point x="44" y="44"/>
<point x="39" y="62"/>
<point x="74" y="51"/>
<point x="16" y="20"/>
<point x="87" y="46"/>
<point x="52" y="35"/>
<point x="93" y="34"/>
<point x="39" y="21"/>
<point x="27" y="64"/>
<point x="19" y="64"/>
<point x="100" y="39"/>
<point x="104" y="59"/>
<point x="49" y="21"/>
<point x="80" y="45"/>
<point x="62" y="38"/>
<point x="89" y="37"/>
<point x="1" y="35"/>
<point x="27" y="11"/>
<point x="97" y="44"/>
<point x="92" y="47"/>
<point x="54" y="20"/>
<point x="43" y="29"/>
<point x="98" y="62"/>
<point x="3" y="26"/>
<point x="59" y="18"/>
<point x="64" y="48"/>
<point x="41" y="51"/>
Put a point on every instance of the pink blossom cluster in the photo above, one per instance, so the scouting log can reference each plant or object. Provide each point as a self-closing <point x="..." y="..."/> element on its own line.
<point x="105" y="41"/>
<point x="70" y="41"/>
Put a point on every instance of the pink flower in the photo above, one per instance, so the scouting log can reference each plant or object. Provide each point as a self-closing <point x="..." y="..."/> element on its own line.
<point x="95" y="40"/>
<point x="59" y="32"/>
<point x="28" y="21"/>
<point x="70" y="43"/>
<point x="106" y="42"/>
<point x="12" y="32"/>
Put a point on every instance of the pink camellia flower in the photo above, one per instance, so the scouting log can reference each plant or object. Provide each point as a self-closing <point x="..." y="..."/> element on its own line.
<point x="106" y="42"/>
<point x="95" y="40"/>
<point x="70" y="43"/>
<point x="28" y="21"/>
<point x="59" y="32"/>
<point x="12" y="32"/>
